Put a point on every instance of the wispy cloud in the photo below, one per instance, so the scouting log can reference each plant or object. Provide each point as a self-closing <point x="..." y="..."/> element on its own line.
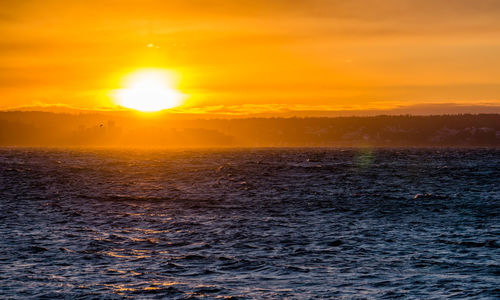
<point x="243" y="53"/>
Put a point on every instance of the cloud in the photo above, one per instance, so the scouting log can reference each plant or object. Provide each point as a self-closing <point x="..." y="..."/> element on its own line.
<point x="279" y="110"/>
<point x="295" y="51"/>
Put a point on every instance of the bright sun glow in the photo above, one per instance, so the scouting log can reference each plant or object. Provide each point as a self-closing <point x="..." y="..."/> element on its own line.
<point x="148" y="91"/>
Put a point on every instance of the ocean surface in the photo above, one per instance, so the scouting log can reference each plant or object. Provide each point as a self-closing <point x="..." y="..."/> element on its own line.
<point x="250" y="224"/>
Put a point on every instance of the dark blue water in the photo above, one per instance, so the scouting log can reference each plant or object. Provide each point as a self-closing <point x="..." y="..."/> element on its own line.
<point x="289" y="223"/>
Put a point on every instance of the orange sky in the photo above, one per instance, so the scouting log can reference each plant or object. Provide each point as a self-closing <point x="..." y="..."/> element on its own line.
<point x="254" y="55"/>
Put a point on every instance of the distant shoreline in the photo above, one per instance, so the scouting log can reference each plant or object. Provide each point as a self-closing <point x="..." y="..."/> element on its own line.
<point x="43" y="129"/>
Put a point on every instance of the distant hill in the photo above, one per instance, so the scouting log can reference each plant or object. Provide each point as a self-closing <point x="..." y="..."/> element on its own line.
<point x="136" y="130"/>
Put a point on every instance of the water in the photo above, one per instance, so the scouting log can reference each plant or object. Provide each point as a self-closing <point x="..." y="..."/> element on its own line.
<point x="284" y="223"/>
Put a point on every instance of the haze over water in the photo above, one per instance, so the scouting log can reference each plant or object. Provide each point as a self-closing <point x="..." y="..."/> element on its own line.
<point x="250" y="224"/>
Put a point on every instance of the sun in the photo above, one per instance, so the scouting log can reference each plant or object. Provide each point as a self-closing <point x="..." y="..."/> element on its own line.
<point x="149" y="91"/>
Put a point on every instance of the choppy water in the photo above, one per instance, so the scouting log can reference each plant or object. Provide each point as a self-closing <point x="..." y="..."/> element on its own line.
<point x="290" y="223"/>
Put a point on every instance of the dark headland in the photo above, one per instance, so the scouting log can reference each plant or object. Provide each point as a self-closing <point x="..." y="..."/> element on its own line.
<point x="105" y="129"/>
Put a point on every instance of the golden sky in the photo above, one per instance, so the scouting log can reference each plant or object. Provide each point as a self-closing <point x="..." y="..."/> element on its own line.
<point x="254" y="55"/>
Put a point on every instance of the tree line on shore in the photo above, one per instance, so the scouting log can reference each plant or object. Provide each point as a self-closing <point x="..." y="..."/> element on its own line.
<point x="98" y="129"/>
